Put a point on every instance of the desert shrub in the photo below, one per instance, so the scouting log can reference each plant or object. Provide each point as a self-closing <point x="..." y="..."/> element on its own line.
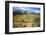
<point x="36" y="22"/>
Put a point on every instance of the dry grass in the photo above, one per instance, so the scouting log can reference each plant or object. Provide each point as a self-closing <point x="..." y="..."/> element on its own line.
<point x="24" y="20"/>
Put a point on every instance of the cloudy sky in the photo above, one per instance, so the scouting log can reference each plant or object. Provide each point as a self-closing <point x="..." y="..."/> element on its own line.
<point x="28" y="9"/>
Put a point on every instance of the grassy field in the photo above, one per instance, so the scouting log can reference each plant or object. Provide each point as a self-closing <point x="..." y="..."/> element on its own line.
<point x="26" y="20"/>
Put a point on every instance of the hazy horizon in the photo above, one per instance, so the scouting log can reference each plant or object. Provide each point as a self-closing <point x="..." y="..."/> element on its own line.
<point x="27" y="9"/>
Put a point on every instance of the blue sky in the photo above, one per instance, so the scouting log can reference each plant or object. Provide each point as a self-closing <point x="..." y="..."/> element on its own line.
<point x="28" y="9"/>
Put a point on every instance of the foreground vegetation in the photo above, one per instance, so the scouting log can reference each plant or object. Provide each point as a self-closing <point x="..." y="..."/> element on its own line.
<point x="26" y="20"/>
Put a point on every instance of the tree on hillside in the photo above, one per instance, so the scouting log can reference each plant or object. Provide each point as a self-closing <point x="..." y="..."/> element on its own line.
<point x="25" y="12"/>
